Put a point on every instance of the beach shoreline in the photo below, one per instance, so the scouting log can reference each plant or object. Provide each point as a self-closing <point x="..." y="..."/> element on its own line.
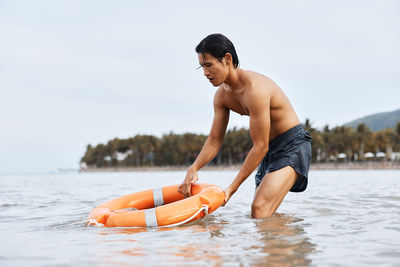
<point x="367" y="165"/>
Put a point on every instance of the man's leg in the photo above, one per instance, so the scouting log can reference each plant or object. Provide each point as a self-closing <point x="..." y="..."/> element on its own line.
<point x="271" y="191"/>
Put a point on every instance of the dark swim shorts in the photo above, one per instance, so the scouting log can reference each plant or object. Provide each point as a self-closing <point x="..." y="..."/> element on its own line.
<point x="292" y="148"/>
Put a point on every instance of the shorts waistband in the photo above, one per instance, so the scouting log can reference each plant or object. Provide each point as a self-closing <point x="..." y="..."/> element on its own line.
<point x="289" y="134"/>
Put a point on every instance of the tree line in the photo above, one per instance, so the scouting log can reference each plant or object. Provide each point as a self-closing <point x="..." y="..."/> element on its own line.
<point x="182" y="149"/>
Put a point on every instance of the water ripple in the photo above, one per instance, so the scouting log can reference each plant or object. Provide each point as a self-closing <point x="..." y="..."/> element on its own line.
<point x="344" y="218"/>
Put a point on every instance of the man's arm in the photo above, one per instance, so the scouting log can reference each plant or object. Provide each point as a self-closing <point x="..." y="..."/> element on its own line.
<point x="210" y="147"/>
<point x="260" y="121"/>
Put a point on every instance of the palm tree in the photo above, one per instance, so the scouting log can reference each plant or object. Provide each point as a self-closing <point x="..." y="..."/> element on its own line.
<point x="397" y="140"/>
<point x="363" y="133"/>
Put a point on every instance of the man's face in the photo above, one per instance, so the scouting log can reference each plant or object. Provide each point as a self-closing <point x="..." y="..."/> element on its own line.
<point x="215" y="70"/>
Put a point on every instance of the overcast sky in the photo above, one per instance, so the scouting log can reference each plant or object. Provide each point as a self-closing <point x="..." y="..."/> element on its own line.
<point x="74" y="73"/>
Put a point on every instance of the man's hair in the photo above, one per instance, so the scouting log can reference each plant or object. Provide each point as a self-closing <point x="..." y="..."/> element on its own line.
<point x="217" y="45"/>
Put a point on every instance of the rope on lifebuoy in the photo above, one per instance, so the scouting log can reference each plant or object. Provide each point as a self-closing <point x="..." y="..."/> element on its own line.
<point x="203" y="207"/>
<point x="93" y="221"/>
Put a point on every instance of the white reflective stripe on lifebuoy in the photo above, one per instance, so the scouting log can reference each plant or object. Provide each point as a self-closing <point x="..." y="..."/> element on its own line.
<point x="158" y="197"/>
<point x="151" y="217"/>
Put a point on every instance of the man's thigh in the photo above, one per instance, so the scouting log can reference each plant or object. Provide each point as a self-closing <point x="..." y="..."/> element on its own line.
<point x="274" y="187"/>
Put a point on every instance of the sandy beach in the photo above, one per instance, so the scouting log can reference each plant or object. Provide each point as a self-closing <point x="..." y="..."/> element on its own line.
<point x="367" y="165"/>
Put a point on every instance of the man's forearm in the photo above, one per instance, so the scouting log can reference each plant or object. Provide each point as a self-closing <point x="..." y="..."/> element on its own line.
<point x="251" y="162"/>
<point x="208" y="152"/>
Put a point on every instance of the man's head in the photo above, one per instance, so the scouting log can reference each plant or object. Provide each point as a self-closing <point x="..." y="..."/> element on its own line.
<point x="216" y="55"/>
<point x="217" y="45"/>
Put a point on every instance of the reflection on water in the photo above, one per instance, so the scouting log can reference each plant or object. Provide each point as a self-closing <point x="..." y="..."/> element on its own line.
<point x="285" y="241"/>
<point x="276" y="241"/>
<point x="178" y="246"/>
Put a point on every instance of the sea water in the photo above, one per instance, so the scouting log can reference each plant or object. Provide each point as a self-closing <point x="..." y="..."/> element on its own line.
<point x="344" y="218"/>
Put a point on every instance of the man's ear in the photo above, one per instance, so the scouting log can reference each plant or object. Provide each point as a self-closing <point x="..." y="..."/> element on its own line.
<point x="228" y="58"/>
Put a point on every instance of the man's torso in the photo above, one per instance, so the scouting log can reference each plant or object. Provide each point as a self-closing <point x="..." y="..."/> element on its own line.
<point x="282" y="114"/>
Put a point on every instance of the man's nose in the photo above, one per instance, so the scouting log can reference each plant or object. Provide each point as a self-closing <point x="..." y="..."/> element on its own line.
<point x="206" y="73"/>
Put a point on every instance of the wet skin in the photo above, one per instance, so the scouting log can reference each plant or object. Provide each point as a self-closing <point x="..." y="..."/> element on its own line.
<point x="270" y="114"/>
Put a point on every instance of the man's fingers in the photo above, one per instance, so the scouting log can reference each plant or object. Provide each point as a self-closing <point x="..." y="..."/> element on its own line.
<point x="186" y="192"/>
<point x="185" y="189"/>
<point x="225" y="199"/>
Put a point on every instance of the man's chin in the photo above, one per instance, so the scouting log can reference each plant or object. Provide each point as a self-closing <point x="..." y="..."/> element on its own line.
<point x="215" y="84"/>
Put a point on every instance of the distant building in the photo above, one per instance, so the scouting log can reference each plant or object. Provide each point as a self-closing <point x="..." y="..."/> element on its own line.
<point x="395" y="156"/>
<point x="341" y="157"/>
<point x="369" y="155"/>
<point x="122" y="156"/>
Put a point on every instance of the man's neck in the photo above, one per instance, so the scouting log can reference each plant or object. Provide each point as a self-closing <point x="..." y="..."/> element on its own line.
<point x="234" y="80"/>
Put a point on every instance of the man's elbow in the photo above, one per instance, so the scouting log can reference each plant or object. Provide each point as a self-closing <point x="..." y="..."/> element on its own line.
<point x="261" y="148"/>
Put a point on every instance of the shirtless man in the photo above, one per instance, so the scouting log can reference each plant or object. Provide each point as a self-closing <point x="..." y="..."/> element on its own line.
<point x="279" y="142"/>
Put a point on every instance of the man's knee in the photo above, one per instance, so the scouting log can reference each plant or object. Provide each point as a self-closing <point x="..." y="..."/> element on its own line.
<point x="261" y="209"/>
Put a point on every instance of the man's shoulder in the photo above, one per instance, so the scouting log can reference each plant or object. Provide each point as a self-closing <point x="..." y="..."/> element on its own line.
<point x="258" y="80"/>
<point x="254" y="75"/>
<point x="261" y="86"/>
<point x="222" y="91"/>
<point x="221" y="95"/>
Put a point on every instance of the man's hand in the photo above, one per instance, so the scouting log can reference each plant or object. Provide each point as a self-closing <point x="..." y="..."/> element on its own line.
<point x="191" y="178"/>
<point x="228" y="193"/>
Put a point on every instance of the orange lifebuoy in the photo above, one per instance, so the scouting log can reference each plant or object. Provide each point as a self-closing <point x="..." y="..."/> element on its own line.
<point x="158" y="207"/>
